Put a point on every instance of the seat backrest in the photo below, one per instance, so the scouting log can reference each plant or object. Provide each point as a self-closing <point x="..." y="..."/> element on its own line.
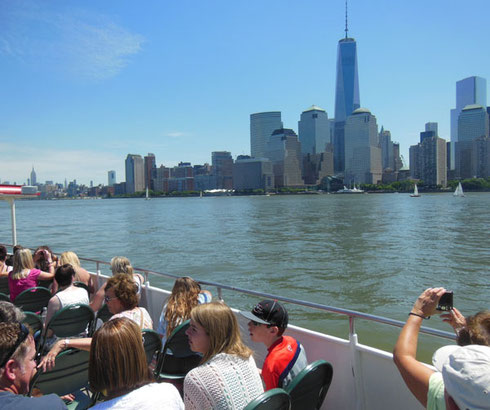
<point x="309" y="388"/>
<point x="274" y="399"/>
<point x="33" y="299"/>
<point x="104" y="314"/>
<point x="34" y="321"/>
<point x="4" y="297"/>
<point x="4" y="285"/>
<point x="83" y="285"/>
<point x="71" y="320"/>
<point x="152" y="343"/>
<point x="178" y="341"/>
<point x="69" y="375"/>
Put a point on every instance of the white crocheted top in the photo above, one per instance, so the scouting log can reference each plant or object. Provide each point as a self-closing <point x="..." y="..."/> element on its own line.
<point x="224" y="382"/>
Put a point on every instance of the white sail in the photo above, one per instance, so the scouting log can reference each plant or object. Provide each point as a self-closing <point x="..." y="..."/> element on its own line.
<point x="459" y="191"/>
<point x="415" y="191"/>
<point x="147" y="196"/>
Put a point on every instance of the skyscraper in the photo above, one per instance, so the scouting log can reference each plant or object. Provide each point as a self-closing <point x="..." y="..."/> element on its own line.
<point x="346" y="93"/>
<point x="223" y="169"/>
<point x="314" y="130"/>
<point x="135" y="176"/>
<point x="471" y="90"/>
<point x="362" y="152"/>
<point x="150" y="170"/>
<point x="33" y="177"/>
<point x="262" y="125"/>
<point x="111" y="178"/>
<point x="284" y="150"/>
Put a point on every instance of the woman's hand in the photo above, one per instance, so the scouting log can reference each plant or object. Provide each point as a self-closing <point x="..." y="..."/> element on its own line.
<point x="48" y="361"/>
<point x="455" y="319"/>
<point x="427" y="302"/>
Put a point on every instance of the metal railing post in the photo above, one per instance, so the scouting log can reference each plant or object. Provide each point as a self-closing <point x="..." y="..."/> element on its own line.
<point x="220" y="295"/>
<point x="356" y="365"/>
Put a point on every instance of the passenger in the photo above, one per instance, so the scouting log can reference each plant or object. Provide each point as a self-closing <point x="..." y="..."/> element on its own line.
<point x="81" y="275"/>
<point x="4" y="268"/>
<point x="186" y="294"/>
<point x="122" y="301"/>
<point x="286" y="357"/>
<point x="44" y="259"/>
<point x="119" y="265"/>
<point x="227" y="377"/>
<point x="425" y="384"/>
<point x="10" y="313"/>
<point x="17" y="367"/>
<point x="10" y="259"/>
<point x="118" y="368"/>
<point x="24" y="275"/>
<point x="68" y="293"/>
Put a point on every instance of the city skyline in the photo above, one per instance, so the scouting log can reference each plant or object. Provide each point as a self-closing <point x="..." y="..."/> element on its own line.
<point x="89" y="83"/>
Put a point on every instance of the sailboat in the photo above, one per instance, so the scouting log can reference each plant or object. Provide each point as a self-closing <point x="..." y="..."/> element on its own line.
<point x="415" y="192"/>
<point x="147" y="197"/>
<point x="459" y="191"/>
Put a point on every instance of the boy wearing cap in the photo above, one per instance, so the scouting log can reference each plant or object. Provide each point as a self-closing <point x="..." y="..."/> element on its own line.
<point x="286" y="357"/>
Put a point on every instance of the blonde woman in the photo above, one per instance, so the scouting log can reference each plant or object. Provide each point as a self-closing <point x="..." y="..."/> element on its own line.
<point x="81" y="275"/>
<point x="24" y="275"/>
<point x="227" y="377"/>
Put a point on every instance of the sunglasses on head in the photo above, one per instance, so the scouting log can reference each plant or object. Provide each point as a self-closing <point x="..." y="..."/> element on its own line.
<point x="23" y="333"/>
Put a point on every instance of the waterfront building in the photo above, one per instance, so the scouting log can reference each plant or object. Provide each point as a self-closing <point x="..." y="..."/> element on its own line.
<point x="316" y="167"/>
<point x="314" y="130"/>
<point x="284" y="151"/>
<point x="135" y="178"/>
<point x="471" y="90"/>
<point x="472" y="123"/>
<point x="252" y="173"/>
<point x="160" y="182"/>
<point x="111" y="178"/>
<point x="362" y="151"/>
<point x="33" y="177"/>
<point x="262" y="125"/>
<point x="150" y="170"/>
<point x="480" y="157"/>
<point x="204" y="178"/>
<point x="120" y="188"/>
<point x="387" y="150"/>
<point x="397" y="157"/>
<point x="347" y="98"/>
<point x="428" y="161"/>
<point x="222" y="162"/>
<point x="181" y="178"/>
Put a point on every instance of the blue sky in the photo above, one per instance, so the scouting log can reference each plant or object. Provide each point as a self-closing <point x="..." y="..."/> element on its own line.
<point x="84" y="83"/>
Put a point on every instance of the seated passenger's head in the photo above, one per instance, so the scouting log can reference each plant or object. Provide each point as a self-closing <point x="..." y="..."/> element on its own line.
<point x="121" y="264"/>
<point x="121" y="293"/>
<point x="476" y="331"/>
<point x="64" y="275"/>
<point x="117" y="361"/>
<point x="186" y="287"/>
<point x="268" y="320"/>
<point x="214" y="329"/>
<point x="71" y="258"/>
<point x="17" y="357"/>
<point x="3" y="253"/>
<point x="10" y="313"/>
<point x="22" y="260"/>
<point x="466" y="374"/>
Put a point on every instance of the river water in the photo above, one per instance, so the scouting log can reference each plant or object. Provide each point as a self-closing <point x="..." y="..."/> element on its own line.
<point x="372" y="253"/>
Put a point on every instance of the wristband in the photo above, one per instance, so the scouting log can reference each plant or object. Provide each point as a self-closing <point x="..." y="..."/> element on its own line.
<point x="67" y="342"/>
<point x="416" y="314"/>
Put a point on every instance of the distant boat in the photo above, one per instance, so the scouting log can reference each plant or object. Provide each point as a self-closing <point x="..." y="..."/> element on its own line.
<point x="415" y="192"/>
<point x="147" y="197"/>
<point x="354" y="190"/>
<point x="200" y="194"/>
<point x="459" y="191"/>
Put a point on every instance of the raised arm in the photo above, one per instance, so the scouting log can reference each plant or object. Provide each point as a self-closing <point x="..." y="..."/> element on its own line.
<point x="415" y="374"/>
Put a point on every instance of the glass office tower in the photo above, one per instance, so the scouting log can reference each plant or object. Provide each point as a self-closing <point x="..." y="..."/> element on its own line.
<point x="346" y="95"/>
<point x="262" y="125"/>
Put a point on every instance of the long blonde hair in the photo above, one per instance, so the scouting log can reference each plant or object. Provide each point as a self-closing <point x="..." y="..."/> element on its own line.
<point x="121" y="264"/>
<point x="181" y="301"/>
<point x="71" y="258"/>
<point x="22" y="261"/>
<point x="221" y="326"/>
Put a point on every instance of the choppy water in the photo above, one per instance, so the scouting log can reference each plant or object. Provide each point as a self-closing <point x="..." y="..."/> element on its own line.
<point x="372" y="253"/>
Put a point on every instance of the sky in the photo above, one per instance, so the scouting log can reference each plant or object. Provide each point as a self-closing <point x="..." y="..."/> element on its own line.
<point x="84" y="83"/>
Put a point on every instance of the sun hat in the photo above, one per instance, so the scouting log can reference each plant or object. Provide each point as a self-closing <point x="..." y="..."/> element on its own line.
<point x="268" y="312"/>
<point x="466" y="374"/>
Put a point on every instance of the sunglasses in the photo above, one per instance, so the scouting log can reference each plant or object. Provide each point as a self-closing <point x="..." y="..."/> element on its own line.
<point x="23" y="333"/>
<point x="108" y="299"/>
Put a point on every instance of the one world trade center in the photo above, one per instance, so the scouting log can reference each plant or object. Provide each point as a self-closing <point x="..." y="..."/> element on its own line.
<point x="346" y="94"/>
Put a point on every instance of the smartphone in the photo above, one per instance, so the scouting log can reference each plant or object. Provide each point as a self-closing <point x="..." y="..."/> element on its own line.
<point x="446" y="302"/>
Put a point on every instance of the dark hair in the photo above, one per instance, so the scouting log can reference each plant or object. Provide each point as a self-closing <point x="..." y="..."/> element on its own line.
<point x="3" y="253"/>
<point x="10" y="259"/>
<point x="64" y="275"/>
<point x="40" y="261"/>
<point x="125" y="289"/>
<point x="476" y="331"/>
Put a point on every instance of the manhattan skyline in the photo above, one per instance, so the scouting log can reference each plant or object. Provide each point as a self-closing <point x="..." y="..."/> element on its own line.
<point x="86" y="83"/>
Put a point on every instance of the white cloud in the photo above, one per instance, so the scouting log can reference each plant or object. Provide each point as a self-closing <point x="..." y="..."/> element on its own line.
<point x="71" y="40"/>
<point x="177" y="134"/>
